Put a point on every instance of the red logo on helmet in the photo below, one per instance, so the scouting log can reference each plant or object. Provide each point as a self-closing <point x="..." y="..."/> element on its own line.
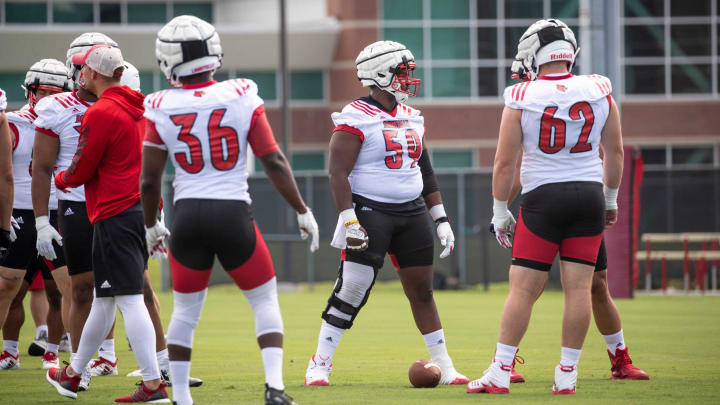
<point x="562" y="56"/>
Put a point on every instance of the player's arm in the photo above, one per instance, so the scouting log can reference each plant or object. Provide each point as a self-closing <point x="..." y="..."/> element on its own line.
<point x="506" y="156"/>
<point x="516" y="186"/>
<point x="613" y="155"/>
<point x="154" y="157"/>
<point x="6" y="173"/>
<point x="89" y="152"/>
<point x="277" y="168"/>
<point x="45" y="152"/>
<point x="433" y="202"/>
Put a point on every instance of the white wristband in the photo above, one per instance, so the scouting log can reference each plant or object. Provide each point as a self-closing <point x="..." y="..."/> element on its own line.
<point x="41" y="222"/>
<point x="611" y="195"/>
<point x="437" y="211"/>
<point x="348" y="216"/>
<point x="499" y="207"/>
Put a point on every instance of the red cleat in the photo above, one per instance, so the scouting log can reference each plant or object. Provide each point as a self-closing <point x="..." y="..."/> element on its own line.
<point x="145" y="394"/>
<point x="622" y="367"/>
<point x="516" y="377"/>
<point x="64" y="384"/>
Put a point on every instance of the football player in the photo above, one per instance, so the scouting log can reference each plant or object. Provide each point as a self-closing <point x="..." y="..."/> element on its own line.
<point x="605" y="313"/>
<point x="44" y="78"/>
<point x="558" y="121"/>
<point x="383" y="184"/>
<point x="6" y="185"/>
<point x="205" y="127"/>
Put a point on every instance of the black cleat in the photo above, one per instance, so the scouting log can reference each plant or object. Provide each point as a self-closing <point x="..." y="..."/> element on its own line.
<point x="165" y="377"/>
<point x="277" y="397"/>
<point x="38" y="346"/>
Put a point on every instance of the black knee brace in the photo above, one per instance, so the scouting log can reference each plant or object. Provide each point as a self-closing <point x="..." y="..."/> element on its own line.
<point x="335" y="302"/>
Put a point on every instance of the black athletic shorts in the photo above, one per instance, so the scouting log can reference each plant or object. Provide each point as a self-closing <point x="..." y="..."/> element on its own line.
<point x="23" y="253"/>
<point x="77" y="234"/>
<point x="403" y="230"/>
<point x="40" y="264"/>
<point x="119" y="253"/>
<point x="601" y="263"/>
<point x="203" y="229"/>
<point x="567" y="217"/>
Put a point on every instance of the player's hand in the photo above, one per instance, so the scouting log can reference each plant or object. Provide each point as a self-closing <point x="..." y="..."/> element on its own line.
<point x="13" y="226"/>
<point x="356" y="237"/>
<point x="611" y="217"/>
<point x="503" y="223"/>
<point x="4" y="243"/>
<point x="308" y="226"/>
<point x="46" y="234"/>
<point x="447" y="239"/>
<point x="155" y="238"/>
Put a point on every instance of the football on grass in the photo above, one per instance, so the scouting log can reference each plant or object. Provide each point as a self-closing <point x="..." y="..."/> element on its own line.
<point x="424" y="374"/>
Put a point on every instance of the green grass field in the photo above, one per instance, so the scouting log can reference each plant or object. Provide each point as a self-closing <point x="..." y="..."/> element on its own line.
<point x="675" y="339"/>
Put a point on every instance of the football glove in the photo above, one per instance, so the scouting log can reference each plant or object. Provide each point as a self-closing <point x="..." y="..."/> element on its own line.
<point x="444" y="230"/>
<point x="356" y="237"/>
<point x="13" y="226"/>
<point x="155" y="238"/>
<point x="46" y="234"/>
<point x="308" y="226"/>
<point x="503" y="223"/>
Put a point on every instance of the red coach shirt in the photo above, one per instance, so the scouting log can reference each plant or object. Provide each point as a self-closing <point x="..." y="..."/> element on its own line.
<point x="109" y="155"/>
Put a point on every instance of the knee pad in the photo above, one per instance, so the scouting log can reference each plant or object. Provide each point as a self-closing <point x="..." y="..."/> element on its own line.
<point x="187" y="308"/>
<point x="265" y="306"/>
<point x="351" y="292"/>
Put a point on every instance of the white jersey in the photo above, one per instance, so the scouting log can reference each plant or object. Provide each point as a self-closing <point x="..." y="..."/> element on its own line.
<point x="562" y="122"/>
<point x="22" y="127"/>
<point x="387" y="168"/>
<point x="205" y="131"/>
<point x="3" y="100"/>
<point x="59" y="115"/>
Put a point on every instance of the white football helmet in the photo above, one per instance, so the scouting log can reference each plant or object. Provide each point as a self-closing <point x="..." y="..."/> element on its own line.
<point x="186" y="46"/>
<point x="130" y="77"/>
<point x="82" y="44"/>
<point x="390" y="66"/>
<point x="46" y="74"/>
<point x="545" y="41"/>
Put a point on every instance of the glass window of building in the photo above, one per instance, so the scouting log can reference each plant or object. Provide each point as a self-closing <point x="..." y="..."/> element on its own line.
<point x="146" y="13"/>
<point x="110" y="13"/>
<point x="308" y="160"/>
<point x="452" y="159"/>
<point x="266" y="82"/>
<point x="17" y="12"/>
<point x="10" y="83"/>
<point x="199" y="10"/>
<point x="306" y="86"/>
<point x="66" y="12"/>
<point x="692" y="155"/>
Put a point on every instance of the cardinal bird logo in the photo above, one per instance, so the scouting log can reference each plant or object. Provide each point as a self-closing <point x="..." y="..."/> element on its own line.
<point x="562" y="87"/>
<point x="198" y="93"/>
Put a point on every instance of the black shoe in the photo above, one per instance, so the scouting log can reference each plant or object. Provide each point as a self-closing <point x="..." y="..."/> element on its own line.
<point x="277" y="397"/>
<point x="38" y="346"/>
<point x="192" y="382"/>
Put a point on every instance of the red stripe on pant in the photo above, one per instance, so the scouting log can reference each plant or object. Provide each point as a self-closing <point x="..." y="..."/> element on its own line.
<point x="584" y="248"/>
<point x="529" y="246"/>
<point x="256" y="271"/>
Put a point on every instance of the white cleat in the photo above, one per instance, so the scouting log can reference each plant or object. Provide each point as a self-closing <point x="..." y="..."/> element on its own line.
<point x="64" y="346"/>
<point x="565" y="380"/>
<point x="495" y="380"/>
<point x="50" y="360"/>
<point x="8" y="361"/>
<point x="450" y="376"/>
<point x="102" y="367"/>
<point x="85" y="379"/>
<point x="318" y="373"/>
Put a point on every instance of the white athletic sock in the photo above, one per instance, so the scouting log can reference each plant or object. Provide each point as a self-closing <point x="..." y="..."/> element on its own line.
<point x="505" y="354"/>
<point x="107" y="350"/>
<point x="272" y="358"/>
<point x="328" y="341"/>
<point x="51" y="348"/>
<point x="69" y="340"/>
<point x="11" y="346"/>
<point x="180" y="378"/>
<point x="97" y="326"/>
<point x="614" y="341"/>
<point x="163" y="359"/>
<point x="141" y="333"/>
<point x="569" y="357"/>
<point x="39" y="331"/>
<point x="435" y="342"/>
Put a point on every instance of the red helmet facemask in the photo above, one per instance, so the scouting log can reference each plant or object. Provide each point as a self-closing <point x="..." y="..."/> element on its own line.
<point x="404" y="80"/>
<point x="32" y="93"/>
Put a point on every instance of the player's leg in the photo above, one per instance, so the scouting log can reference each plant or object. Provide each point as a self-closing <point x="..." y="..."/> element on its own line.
<point x="64" y="285"/>
<point x="190" y="269"/>
<point x="10" y="359"/>
<point x="356" y="277"/>
<point x="54" y="321"/>
<point x="39" y="307"/>
<point x="607" y="320"/>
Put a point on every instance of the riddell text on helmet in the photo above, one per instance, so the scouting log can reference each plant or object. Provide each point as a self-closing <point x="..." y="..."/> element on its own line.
<point x="561" y="56"/>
